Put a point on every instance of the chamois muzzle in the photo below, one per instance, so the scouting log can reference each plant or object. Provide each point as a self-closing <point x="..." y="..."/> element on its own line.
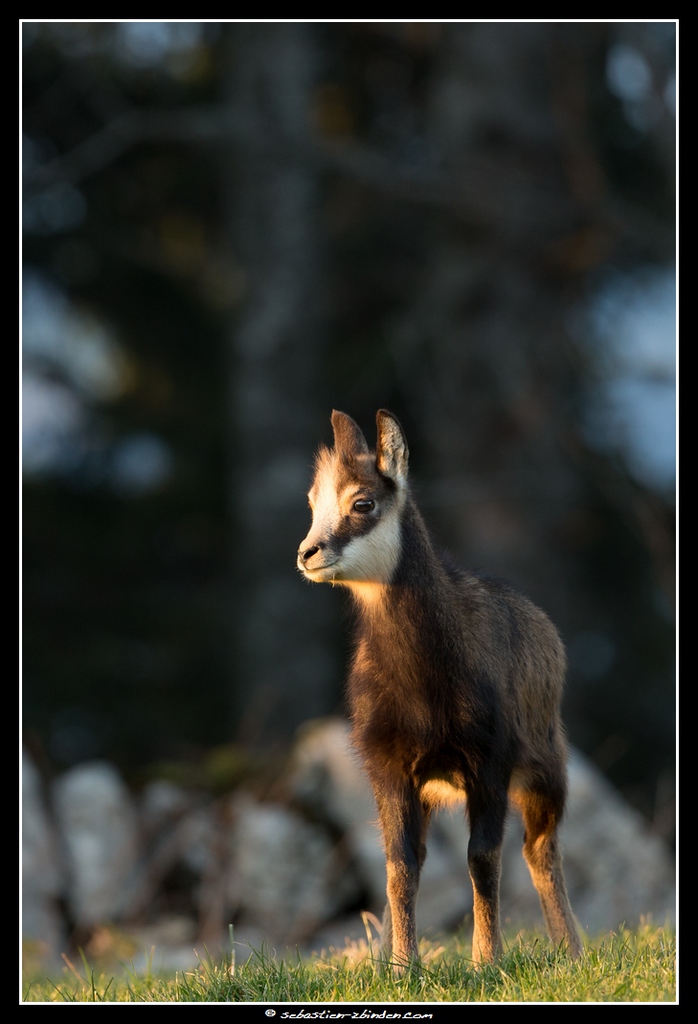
<point x="306" y="553"/>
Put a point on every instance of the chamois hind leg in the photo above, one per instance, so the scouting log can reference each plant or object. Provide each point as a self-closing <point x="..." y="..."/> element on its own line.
<point x="404" y="821"/>
<point x="487" y="814"/>
<point x="542" y="812"/>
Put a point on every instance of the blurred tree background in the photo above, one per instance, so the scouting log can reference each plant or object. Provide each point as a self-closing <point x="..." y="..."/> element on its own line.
<point x="231" y="228"/>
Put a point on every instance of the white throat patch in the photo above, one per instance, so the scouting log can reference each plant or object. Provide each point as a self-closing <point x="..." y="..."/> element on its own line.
<point x="373" y="557"/>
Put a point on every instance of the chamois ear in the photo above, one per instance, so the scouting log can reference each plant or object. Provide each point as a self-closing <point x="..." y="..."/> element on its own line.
<point x="392" y="452"/>
<point x="348" y="439"/>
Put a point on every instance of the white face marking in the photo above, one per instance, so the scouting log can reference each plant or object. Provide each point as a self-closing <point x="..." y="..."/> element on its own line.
<point x="326" y="518"/>
<point x="373" y="557"/>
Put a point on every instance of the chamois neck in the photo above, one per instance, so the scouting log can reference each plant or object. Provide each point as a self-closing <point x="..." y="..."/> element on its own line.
<point x="419" y="562"/>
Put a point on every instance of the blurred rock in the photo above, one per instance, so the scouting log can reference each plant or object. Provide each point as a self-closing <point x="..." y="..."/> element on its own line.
<point x="305" y="867"/>
<point x="167" y="945"/>
<point x="327" y="780"/>
<point x="178" y="835"/>
<point x="178" y="825"/>
<point x="41" y="876"/>
<point x="162" y="803"/>
<point x="286" y="875"/>
<point x="99" y="833"/>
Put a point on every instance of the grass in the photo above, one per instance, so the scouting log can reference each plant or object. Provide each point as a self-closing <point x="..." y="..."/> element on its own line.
<point x="630" y="966"/>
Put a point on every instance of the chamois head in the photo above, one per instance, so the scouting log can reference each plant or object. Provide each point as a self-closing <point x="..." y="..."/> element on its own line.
<point x="356" y="499"/>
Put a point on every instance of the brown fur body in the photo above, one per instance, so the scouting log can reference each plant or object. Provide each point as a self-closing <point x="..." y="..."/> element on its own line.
<point x="454" y="690"/>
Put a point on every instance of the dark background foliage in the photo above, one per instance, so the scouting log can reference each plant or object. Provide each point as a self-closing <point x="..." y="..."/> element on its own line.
<point x="229" y="230"/>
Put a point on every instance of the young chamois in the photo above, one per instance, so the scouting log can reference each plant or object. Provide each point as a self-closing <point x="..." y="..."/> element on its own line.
<point x="454" y="689"/>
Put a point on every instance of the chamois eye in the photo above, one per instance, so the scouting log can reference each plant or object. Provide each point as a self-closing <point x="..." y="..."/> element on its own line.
<point x="364" y="505"/>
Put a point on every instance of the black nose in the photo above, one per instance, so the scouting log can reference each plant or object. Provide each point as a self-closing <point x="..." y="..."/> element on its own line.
<point x="309" y="552"/>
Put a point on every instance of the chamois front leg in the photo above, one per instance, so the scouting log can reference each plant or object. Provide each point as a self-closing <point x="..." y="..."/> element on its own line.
<point x="487" y="815"/>
<point x="404" y="822"/>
